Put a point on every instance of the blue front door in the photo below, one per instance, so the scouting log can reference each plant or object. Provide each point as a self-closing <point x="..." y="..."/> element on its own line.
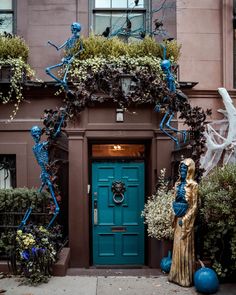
<point x="118" y="229"/>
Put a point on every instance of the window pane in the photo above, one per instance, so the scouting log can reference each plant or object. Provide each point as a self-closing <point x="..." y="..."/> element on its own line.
<point x="137" y="21"/>
<point x="132" y="4"/>
<point x="118" y="23"/>
<point x="6" y="23"/>
<point x="119" y="3"/>
<point x="118" y="150"/>
<point x="102" y="21"/>
<point x="5" y="4"/>
<point x="102" y="3"/>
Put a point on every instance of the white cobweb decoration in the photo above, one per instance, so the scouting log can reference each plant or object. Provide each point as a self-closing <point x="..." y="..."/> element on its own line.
<point x="221" y="137"/>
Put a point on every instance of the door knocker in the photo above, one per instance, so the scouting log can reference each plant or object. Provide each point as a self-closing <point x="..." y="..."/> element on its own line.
<point x="118" y="189"/>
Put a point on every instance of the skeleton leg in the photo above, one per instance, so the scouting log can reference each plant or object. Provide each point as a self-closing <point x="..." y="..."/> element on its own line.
<point x="162" y="127"/>
<point x="48" y="71"/>
<point x="64" y="80"/>
<point x="25" y="218"/>
<point x="57" y="209"/>
<point x="183" y="132"/>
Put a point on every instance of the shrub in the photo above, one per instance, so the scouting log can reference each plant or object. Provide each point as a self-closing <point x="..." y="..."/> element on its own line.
<point x="218" y="214"/>
<point x="13" y="54"/>
<point x="13" y="205"/>
<point x="158" y="211"/>
<point x="97" y="46"/>
<point x="13" y="47"/>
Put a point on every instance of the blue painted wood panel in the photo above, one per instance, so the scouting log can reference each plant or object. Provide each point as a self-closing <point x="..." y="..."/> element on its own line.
<point x="118" y="229"/>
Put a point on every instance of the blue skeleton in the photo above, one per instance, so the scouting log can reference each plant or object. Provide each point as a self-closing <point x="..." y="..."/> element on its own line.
<point x="167" y="118"/>
<point x="67" y="60"/>
<point x="40" y="150"/>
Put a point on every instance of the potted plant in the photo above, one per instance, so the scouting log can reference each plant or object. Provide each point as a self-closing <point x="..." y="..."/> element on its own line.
<point x="218" y="219"/>
<point x="35" y="251"/>
<point x="13" y="69"/>
<point x="158" y="214"/>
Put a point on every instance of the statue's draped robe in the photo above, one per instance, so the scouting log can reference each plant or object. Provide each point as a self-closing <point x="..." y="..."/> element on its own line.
<point x="183" y="257"/>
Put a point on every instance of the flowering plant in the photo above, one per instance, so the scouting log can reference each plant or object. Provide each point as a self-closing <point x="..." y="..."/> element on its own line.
<point x="36" y="251"/>
<point x="158" y="211"/>
<point x="13" y="54"/>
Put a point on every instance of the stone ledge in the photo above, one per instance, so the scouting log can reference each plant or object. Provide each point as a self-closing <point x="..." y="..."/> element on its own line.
<point x="59" y="269"/>
<point x="4" y="266"/>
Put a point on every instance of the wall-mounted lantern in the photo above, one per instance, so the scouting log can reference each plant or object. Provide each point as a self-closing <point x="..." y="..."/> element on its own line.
<point x="119" y="115"/>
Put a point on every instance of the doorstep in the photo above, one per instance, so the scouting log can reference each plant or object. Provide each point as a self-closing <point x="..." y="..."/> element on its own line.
<point x="105" y="271"/>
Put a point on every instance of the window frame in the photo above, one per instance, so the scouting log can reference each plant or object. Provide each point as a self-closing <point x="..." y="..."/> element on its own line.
<point x="142" y="10"/>
<point x="13" y="12"/>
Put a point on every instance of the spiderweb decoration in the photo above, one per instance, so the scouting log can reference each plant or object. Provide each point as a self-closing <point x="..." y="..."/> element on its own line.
<point x="221" y="137"/>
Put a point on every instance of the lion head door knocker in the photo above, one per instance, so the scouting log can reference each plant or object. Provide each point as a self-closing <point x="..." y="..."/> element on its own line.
<point x="118" y="189"/>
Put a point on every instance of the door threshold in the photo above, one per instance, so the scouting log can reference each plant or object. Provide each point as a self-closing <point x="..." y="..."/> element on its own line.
<point x="118" y="266"/>
<point x="144" y="271"/>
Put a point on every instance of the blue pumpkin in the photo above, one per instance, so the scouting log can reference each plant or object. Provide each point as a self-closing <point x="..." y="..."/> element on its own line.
<point x="166" y="263"/>
<point x="206" y="280"/>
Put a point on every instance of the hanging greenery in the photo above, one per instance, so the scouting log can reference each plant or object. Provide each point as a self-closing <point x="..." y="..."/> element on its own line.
<point x="13" y="58"/>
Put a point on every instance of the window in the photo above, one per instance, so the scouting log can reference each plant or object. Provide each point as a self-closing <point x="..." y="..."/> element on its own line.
<point x="7" y="171"/>
<point x="119" y="17"/>
<point x="114" y="150"/>
<point x="6" y="16"/>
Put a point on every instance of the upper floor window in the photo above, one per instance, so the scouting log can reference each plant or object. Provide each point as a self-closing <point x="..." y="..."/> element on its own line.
<point x="119" y="17"/>
<point x="6" y="16"/>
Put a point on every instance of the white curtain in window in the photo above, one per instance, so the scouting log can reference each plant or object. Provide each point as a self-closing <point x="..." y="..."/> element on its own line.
<point x="5" y="178"/>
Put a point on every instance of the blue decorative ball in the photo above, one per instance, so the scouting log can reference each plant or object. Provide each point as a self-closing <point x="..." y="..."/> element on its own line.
<point x="166" y="263"/>
<point x="206" y="280"/>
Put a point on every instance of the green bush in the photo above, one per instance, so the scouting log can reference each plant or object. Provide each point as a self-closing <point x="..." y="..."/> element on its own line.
<point x="218" y="214"/>
<point x="97" y="46"/>
<point x="13" y="205"/>
<point x="19" y="199"/>
<point x="13" y="47"/>
<point x="157" y="211"/>
<point x="13" y="54"/>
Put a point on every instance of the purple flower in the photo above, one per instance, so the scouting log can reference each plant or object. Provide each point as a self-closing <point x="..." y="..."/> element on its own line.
<point x="25" y="255"/>
<point x="34" y="250"/>
<point x="42" y="250"/>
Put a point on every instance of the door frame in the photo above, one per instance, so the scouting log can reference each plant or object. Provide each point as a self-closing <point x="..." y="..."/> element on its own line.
<point x="146" y="159"/>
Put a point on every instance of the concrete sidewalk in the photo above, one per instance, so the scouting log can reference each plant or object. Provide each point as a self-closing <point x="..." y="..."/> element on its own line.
<point x="101" y="285"/>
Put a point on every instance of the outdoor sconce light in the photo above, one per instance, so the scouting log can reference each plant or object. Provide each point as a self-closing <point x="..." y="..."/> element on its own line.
<point x="119" y="115"/>
<point x="126" y="82"/>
